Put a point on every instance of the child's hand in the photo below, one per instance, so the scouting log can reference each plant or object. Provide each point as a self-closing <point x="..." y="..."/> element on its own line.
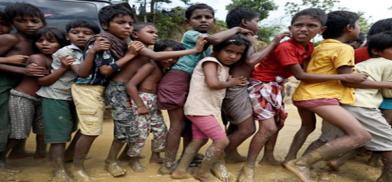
<point x="142" y="110"/>
<point x="200" y="43"/>
<point x="34" y="69"/>
<point x="135" y="47"/>
<point x="279" y="37"/>
<point x="355" y="77"/>
<point x="18" y="59"/>
<point x="240" y="81"/>
<point x="67" y="61"/>
<point x="101" y="44"/>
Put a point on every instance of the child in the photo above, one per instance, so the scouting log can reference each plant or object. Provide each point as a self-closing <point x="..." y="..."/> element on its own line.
<point x="107" y="53"/>
<point x="202" y="107"/>
<point x="5" y="25"/>
<point x="236" y="106"/>
<point x="265" y="90"/>
<point x="126" y="125"/>
<point x="56" y="93"/>
<point x="173" y="88"/>
<point x="332" y="56"/>
<point x="26" y="19"/>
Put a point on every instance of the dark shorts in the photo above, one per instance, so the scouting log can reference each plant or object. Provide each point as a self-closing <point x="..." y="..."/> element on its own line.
<point x="59" y="120"/>
<point x="173" y="89"/>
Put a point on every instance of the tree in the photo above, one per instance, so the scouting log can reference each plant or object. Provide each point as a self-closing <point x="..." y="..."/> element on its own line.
<point x="263" y="7"/>
<point x="327" y="5"/>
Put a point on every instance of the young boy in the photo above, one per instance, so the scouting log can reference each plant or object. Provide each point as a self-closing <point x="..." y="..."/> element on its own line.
<point x="56" y="93"/>
<point x="129" y="128"/>
<point x="237" y="107"/>
<point x="26" y="19"/>
<point x="94" y="72"/>
<point x="267" y="80"/>
<point x="173" y="89"/>
<point x="332" y="56"/>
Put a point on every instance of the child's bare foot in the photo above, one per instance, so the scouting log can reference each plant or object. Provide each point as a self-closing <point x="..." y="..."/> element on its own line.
<point x="81" y="175"/>
<point x="136" y="165"/>
<point x="302" y="172"/>
<point x="61" y="176"/>
<point x="375" y="160"/>
<point x="270" y="161"/>
<point x="180" y="174"/>
<point x="204" y="177"/>
<point x="156" y="158"/>
<point x="234" y="157"/>
<point x="220" y="171"/>
<point x="247" y="174"/>
<point x="334" y="165"/>
<point x="114" y="169"/>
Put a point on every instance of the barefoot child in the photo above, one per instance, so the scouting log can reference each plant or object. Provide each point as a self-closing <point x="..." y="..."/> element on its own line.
<point x="236" y="106"/>
<point x="126" y="125"/>
<point x="173" y="88"/>
<point x="26" y="19"/>
<point x="203" y="105"/>
<point x="332" y="56"/>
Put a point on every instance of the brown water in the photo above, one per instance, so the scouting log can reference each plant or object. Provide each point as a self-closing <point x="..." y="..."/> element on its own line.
<point x="40" y="170"/>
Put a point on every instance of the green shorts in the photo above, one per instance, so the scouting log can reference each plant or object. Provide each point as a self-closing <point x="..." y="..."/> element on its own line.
<point x="59" y="120"/>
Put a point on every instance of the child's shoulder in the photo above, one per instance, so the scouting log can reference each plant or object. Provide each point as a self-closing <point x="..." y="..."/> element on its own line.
<point x="9" y="38"/>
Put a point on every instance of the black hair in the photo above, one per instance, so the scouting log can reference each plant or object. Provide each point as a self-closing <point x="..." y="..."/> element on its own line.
<point x="237" y="39"/>
<point x="82" y="23"/>
<point x="315" y="13"/>
<point x="337" y="23"/>
<point x="161" y="45"/>
<point x="4" y="18"/>
<point x="379" y="42"/>
<point x="23" y="10"/>
<point x="237" y="15"/>
<point x="108" y="13"/>
<point x="52" y="33"/>
<point x="189" y="11"/>
<point x="380" y="26"/>
<point x="138" y="26"/>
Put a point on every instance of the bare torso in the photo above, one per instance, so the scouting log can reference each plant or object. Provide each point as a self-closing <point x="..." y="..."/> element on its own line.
<point x="130" y="69"/>
<point x="150" y="83"/>
<point x="241" y="69"/>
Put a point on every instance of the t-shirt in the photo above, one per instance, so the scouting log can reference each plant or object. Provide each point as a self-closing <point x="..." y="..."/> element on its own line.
<point x="202" y="100"/>
<point x="275" y="64"/>
<point x="187" y="63"/>
<point x="326" y="59"/>
<point x="61" y="89"/>
<point x="361" y="54"/>
<point x="378" y="69"/>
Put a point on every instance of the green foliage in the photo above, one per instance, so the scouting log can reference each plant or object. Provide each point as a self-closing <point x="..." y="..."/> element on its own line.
<point x="266" y="33"/>
<point x="327" y="5"/>
<point x="263" y="7"/>
<point x="363" y="22"/>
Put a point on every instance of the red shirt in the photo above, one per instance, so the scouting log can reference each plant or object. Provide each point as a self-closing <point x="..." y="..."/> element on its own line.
<point x="275" y="64"/>
<point x="361" y="54"/>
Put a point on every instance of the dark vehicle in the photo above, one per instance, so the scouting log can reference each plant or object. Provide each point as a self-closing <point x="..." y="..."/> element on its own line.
<point x="59" y="12"/>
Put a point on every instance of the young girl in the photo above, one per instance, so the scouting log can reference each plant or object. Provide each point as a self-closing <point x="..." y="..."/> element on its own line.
<point x="202" y="107"/>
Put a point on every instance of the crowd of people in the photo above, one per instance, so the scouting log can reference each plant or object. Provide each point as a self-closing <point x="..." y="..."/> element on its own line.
<point x="58" y="82"/>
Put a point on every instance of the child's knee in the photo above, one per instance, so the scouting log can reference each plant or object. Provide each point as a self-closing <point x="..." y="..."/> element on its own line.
<point x="222" y="143"/>
<point x="268" y="130"/>
<point x="362" y="138"/>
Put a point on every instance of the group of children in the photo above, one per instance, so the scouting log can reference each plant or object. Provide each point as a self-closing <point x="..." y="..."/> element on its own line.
<point x="57" y="83"/>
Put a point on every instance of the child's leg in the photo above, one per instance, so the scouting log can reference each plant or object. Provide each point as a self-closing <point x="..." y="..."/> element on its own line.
<point x="70" y="151"/>
<point x="4" y="119"/>
<point x="308" y="125"/>
<point x="135" y="149"/>
<point x="355" y="137"/>
<point x="268" y="156"/>
<point x="159" y="131"/>
<point x="111" y="164"/>
<point x="386" y="175"/>
<point x="38" y="129"/>
<point x="82" y="148"/>
<point x="243" y="131"/>
<point x="56" y="153"/>
<point x="173" y="139"/>
<point x="40" y="148"/>
<point x="387" y="113"/>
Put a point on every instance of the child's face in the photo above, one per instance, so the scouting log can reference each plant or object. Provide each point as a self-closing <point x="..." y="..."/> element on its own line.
<point x="231" y="54"/>
<point x="386" y="53"/>
<point x="167" y="63"/>
<point x="147" y="35"/>
<point x="47" y="45"/>
<point x="305" y="28"/>
<point x="355" y="31"/>
<point x="27" y="25"/>
<point x="201" y="20"/>
<point x="252" y="25"/>
<point x="79" y="36"/>
<point x="121" y="26"/>
<point x="4" y="28"/>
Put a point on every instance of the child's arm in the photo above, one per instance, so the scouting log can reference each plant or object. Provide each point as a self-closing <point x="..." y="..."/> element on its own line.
<point x="84" y="69"/>
<point x="47" y="80"/>
<point x="132" y="90"/>
<point x="300" y="74"/>
<point x="367" y="84"/>
<point x="132" y="52"/>
<point x="14" y="59"/>
<point x="210" y="70"/>
<point x="10" y="39"/>
<point x="157" y="56"/>
<point x="30" y="70"/>
<point x="258" y="56"/>
<point x="223" y="35"/>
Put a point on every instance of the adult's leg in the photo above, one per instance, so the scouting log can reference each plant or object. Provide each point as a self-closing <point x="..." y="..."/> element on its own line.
<point x="355" y="137"/>
<point x="244" y="130"/>
<point x="308" y="125"/>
